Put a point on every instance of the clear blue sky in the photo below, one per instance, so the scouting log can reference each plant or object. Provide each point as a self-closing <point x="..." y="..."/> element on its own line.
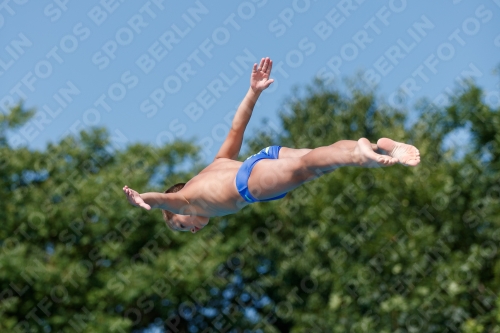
<point x="152" y="71"/>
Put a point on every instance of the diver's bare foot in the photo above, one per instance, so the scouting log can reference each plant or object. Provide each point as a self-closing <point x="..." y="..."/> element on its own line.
<point x="407" y="155"/>
<point x="135" y="198"/>
<point x="364" y="156"/>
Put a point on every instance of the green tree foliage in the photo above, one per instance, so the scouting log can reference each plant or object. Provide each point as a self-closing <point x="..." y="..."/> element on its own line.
<point x="359" y="250"/>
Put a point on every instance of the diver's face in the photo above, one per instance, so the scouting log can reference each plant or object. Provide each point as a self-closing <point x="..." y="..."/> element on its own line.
<point x="183" y="223"/>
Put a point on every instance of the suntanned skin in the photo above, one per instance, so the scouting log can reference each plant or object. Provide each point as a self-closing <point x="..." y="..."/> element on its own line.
<point x="213" y="191"/>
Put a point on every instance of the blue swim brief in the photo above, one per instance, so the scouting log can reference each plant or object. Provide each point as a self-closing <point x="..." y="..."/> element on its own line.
<point x="246" y="168"/>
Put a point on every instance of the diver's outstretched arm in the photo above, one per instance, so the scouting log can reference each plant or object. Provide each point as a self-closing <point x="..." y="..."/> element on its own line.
<point x="259" y="81"/>
<point x="173" y="202"/>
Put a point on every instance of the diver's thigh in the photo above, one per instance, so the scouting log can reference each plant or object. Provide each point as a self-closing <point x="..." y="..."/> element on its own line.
<point x="270" y="178"/>
<point x="286" y="152"/>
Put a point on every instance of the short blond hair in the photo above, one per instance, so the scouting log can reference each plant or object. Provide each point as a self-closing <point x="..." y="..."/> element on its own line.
<point x="167" y="216"/>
